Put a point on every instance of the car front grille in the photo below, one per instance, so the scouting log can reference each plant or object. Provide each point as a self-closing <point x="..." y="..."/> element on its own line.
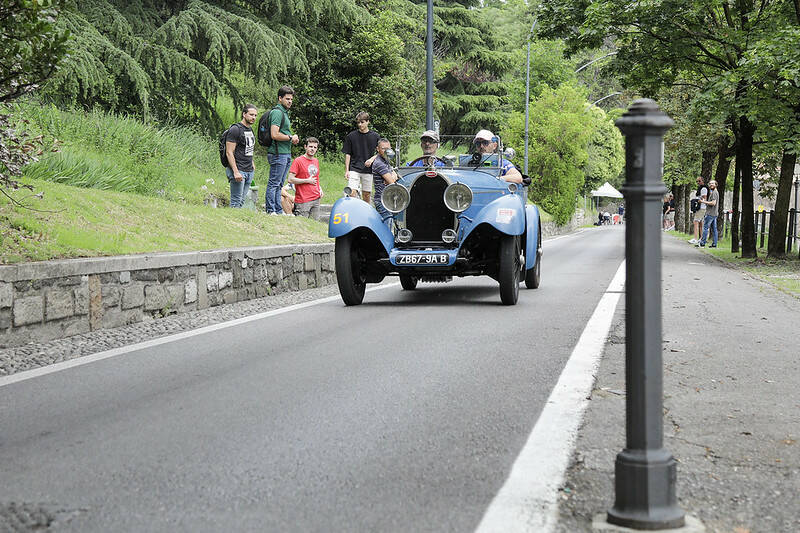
<point x="427" y="216"/>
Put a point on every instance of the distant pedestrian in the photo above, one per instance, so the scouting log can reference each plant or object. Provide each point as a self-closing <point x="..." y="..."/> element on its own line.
<point x="304" y="175"/>
<point x="382" y="174"/>
<point x="698" y="208"/>
<point x="279" y="153"/>
<point x="669" y="212"/>
<point x="239" y="145"/>
<point x="710" y="219"/>
<point x="359" y="145"/>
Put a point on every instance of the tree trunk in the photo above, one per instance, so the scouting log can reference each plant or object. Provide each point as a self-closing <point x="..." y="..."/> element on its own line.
<point x="744" y="155"/>
<point x="777" y="237"/>
<point x="707" y="165"/>
<point x="737" y="180"/>
<point x="724" y="154"/>
<point x="682" y="200"/>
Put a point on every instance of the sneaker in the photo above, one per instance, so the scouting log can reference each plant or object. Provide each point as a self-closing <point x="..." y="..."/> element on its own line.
<point x="272" y="213"/>
<point x="700" y="245"/>
<point x="693" y="241"/>
<point x="713" y="246"/>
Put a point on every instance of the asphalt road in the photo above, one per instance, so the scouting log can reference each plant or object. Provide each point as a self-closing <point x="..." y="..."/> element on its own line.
<point x="403" y="414"/>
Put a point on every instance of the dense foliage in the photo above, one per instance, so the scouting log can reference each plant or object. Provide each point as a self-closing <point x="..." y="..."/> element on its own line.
<point x="735" y="62"/>
<point x="31" y="45"/>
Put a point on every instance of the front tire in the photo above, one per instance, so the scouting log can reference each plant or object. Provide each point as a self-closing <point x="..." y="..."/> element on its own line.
<point x="349" y="271"/>
<point x="509" y="271"/>
<point x="409" y="283"/>
<point x="533" y="276"/>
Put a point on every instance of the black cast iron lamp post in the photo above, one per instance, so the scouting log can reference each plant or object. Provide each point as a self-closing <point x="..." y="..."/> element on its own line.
<point x="645" y="473"/>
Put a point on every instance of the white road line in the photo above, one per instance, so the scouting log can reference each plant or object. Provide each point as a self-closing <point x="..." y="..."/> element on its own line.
<point x="528" y="501"/>
<point x="85" y="360"/>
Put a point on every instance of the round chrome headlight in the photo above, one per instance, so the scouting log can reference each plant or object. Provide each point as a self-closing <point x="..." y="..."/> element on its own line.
<point x="457" y="197"/>
<point x="448" y="236"/>
<point x="512" y="187"/>
<point x="395" y="198"/>
<point x="404" y="235"/>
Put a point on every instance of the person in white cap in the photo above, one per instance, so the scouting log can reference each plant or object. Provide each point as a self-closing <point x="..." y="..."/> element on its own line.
<point x="486" y="143"/>
<point x="429" y="142"/>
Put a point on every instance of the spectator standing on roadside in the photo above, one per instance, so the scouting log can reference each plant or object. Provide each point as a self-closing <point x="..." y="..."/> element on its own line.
<point x="669" y="212"/>
<point x="382" y="175"/>
<point x="359" y="145"/>
<point x="304" y="175"/>
<point x="279" y="154"/>
<point x="239" y="145"/>
<point x="710" y="219"/>
<point x="698" y="208"/>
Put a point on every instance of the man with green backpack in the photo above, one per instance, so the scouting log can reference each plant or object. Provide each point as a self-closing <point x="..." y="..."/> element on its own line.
<point x="275" y="132"/>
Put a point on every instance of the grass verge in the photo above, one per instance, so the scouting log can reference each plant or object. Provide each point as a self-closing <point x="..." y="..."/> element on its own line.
<point x="782" y="273"/>
<point x="78" y="222"/>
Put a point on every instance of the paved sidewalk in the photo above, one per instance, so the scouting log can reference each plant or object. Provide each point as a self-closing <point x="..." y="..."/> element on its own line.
<point x="731" y="402"/>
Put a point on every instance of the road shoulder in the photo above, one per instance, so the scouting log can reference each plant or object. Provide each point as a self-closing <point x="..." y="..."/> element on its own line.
<point x="732" y="408"/>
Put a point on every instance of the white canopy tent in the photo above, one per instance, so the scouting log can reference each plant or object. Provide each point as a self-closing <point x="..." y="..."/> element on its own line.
<point x="608" y="191"/>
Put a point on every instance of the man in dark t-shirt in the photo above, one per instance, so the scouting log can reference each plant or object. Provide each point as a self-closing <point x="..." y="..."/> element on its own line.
<point x="239" y="145"/>
<point x="359" y="145"/>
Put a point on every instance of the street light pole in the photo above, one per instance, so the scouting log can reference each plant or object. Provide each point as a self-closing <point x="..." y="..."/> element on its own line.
<point x="594" y="61"/>
<point x="528" y="93"/>
<point x="429" y="70"/>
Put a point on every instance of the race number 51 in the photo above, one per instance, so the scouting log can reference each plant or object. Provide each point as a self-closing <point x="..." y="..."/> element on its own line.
<point x="338" y="217"/>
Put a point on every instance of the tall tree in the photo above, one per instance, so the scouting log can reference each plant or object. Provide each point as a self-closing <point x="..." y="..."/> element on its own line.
<point x="662" y="44"/>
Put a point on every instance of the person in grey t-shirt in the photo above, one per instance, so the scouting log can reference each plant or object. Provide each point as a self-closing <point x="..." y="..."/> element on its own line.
<point x="710" y="220"/>
<point x="382" y="175"/>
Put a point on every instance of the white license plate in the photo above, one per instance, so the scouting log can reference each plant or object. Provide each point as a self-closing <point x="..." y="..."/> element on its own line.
<point x="422" y="259"/>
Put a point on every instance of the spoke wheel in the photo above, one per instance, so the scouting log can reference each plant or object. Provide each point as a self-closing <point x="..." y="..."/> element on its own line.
<point x="409" y="283"/>
<point x="510" y="267"/>
<point x="534" y="275"/>
<point x="349" y="271"/>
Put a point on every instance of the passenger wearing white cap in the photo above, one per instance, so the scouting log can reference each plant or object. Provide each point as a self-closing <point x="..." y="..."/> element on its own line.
<point x="429" y="142"/>
<point x="486" y="143"/>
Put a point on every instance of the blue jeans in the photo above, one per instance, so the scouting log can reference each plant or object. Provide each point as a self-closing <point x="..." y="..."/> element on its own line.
<point x="377" y="186"/>
<point x="278" y="168"/>
<point x="709" y="221"/>
<point x="239" y="189"/>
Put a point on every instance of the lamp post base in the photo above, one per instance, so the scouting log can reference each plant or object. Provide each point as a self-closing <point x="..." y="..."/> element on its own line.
<point x="645" y="491"/>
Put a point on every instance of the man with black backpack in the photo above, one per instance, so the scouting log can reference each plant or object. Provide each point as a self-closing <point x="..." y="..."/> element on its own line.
<point x="239" y="144"/>
<point x="698" y="208"/>
<point x="275" y="132"/>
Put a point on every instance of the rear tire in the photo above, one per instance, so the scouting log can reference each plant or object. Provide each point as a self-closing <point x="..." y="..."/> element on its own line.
<point x="510" y="267"/>
<point x="533" y="276"/>
<point x="409" y="283"/>
<point x="349" y="272"/>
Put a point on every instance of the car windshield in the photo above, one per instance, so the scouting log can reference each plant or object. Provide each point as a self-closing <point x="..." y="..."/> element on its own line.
<point x="456" y="151"/>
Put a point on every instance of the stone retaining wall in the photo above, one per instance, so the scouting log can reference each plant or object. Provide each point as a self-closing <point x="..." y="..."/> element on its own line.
<point x="53" y="299"/>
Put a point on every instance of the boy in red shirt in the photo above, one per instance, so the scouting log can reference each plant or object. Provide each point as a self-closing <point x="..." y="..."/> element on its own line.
<point x="304" y="175"/>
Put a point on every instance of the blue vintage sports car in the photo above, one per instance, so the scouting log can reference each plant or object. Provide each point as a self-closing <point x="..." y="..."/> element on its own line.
<point x="452" y="214"/>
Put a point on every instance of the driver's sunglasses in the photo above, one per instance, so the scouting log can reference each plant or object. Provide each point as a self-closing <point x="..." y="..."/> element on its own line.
<point x="482" y="142"/>
<point x="428" y="140"/>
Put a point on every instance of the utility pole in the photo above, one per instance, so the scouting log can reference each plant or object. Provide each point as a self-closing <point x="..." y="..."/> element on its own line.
<point x="528" y="93"/>
<point x="429" y="70"/>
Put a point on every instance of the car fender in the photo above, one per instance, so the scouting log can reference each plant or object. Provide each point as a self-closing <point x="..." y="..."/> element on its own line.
<point x="533" y="223"/>
<point x="348" y="214"/>
<point x="506" y="214"/>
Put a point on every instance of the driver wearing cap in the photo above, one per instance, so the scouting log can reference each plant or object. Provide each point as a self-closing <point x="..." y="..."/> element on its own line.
<point x="429" y="142"/>
<point x="485" y="143"/>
